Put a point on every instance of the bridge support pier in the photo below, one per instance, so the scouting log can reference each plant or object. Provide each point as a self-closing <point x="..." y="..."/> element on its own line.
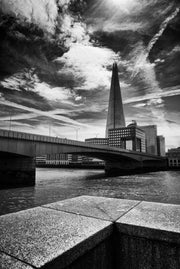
<point x="127" y="167"/>
<point x="122" y="167"/>
<point x="16" y="171"/>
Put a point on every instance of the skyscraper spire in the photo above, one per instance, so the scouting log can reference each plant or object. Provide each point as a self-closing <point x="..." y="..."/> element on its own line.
<point x="115" y="118"/>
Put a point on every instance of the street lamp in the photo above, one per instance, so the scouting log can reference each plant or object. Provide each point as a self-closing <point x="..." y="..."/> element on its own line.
<point x="10" y="121"/>
<point x="49" y="129"/>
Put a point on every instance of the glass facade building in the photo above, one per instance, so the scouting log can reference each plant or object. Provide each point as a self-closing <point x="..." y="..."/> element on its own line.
<point x="161" y="145"/>
<point x="151" y="138"/>
<point x="131" y="138"/>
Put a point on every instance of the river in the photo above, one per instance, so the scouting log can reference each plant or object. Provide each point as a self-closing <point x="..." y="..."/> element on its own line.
<point x="57" y="184"/>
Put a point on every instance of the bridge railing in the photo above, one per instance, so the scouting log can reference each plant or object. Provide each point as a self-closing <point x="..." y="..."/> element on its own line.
<point x="57" y="140"/>
<point x="48" y="139"/>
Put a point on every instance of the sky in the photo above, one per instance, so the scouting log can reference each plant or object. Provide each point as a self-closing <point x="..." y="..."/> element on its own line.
<point x="56" y="61"/>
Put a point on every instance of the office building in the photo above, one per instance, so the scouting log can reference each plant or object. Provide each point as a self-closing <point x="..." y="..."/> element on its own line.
<point x="161" y="146"/>
<point x="97" y="141"/>
<point x="115" y="117"/>
<point x="151" y="138"/>
<point x="40" y="160"/>
<point x="174" y="157"/>
<point x="130" y="137"/>
<point x="73" y="158"/>
<point x="66" y="159"/>
<point x="58" y="158"/>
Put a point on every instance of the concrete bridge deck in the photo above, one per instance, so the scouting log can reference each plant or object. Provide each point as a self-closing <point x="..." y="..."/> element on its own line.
<point x="18" y="149"/>
<point x="73" y="144"/>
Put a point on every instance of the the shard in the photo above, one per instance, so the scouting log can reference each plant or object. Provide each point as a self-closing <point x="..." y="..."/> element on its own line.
<point x="115" y="118"/>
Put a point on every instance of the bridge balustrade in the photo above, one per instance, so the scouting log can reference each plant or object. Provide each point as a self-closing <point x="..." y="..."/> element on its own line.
<point x="5" y="133"/>
<point x="37" y="137"/>
<point x="20" y="136"/>
<point x="11" y="134"/>
<point x="15" y="135"/>
<point x="23" y="135"/>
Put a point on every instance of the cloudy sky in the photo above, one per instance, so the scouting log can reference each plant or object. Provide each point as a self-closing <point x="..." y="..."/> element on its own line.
<point x="56" y="58"/>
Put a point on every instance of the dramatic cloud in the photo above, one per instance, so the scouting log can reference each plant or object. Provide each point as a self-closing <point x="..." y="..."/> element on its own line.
<point x="56" y="58"/>
<point x="89" y="64"/>
<point x="41" y="12"/>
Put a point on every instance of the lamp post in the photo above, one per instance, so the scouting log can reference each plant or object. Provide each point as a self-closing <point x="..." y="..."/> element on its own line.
<point x="77" y="129"/>
<point x="49" y="129"/>
<point x="10" y="121"/>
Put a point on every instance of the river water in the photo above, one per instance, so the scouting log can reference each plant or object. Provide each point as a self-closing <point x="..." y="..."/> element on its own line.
<point x="58" y="184"/>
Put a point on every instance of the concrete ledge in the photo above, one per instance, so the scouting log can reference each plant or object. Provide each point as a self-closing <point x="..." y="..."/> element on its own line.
<point x="152" y="220"/>
<point x="8" y="262"/>
<point x="97" y="207"/>
<point x="148" y="236"/>
<point x="93" y="233"/>
<point x="40" y="236"/>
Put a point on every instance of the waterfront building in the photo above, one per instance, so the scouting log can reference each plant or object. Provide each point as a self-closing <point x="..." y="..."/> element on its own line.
<point x="73" y="158"/>
<point x="115" y="117"/>
<point x="151" y="138"/>
<point x="97" y="141"/>
<point x="130" y="137"/>
<point x="67" y="159"/>
<point x="174" y="157"/>
<point x="161" y="145"/>
<point x="40" y="160"/>
<point x="57" y="159"/>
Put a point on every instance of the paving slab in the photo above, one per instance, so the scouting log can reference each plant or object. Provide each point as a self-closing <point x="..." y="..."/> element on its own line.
<point x="8" y="262"/>
<point x="153" y="220"/>
<point x="93" y="206"/>
<point x="40" y="236"/>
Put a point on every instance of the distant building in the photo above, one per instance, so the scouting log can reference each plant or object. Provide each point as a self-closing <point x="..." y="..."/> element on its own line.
<point x="151" y="138"/>
<point x="161" y="145"/>
<point x="133" y="137"/>
<point x="58" y="158"/>
<point x="40" y="160"/>
<point x="73" y="158"/>
<point x="174" y="157"/>
<point x="97" y="141"/>
<point x="91" y="161"/>
<point x="130" y="137"/>
<point x="67" y="159"/>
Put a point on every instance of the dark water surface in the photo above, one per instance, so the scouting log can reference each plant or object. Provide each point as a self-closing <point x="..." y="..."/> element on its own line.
<point x="58" y="184"/>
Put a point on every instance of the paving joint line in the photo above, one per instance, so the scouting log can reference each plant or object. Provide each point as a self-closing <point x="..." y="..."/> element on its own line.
<point x="77" y="214"/>
<point x="16" y="258"/>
